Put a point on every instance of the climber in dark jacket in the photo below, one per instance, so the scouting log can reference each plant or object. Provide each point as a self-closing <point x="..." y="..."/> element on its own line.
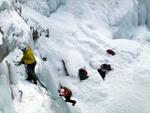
<point x="83" y="74"/>
<point x="67" y="94"/>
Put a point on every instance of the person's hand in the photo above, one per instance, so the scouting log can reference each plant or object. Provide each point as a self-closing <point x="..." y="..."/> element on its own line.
<point x="18" y="63"/>
<point x="60" y="95"/>
<point x="22" y="62"/>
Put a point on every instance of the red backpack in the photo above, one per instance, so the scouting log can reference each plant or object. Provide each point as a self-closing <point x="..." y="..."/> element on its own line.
<point x="110" y="51"/>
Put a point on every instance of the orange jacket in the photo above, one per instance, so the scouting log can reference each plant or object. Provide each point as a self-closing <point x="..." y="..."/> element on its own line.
<point x="67" y="92"/>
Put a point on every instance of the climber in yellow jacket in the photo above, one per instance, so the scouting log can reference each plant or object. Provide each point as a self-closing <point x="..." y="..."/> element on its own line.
<point x="29" y="59"/>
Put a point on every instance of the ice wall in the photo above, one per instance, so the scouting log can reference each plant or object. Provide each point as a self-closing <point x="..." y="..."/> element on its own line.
<point x="145" y="10"/>
<point x="6" y="105"/>
<point x="45" y="7"/>
<point x="136" y="14"/>
<point x="15" y="31"/>
<point x="123" y="18"/>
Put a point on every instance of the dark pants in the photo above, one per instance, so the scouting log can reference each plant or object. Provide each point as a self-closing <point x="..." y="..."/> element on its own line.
<point x="31" y="73"/>
<point x="69" y="100"/>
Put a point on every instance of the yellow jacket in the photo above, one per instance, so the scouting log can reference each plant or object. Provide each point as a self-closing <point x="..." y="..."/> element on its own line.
<point x="28" y="57"/>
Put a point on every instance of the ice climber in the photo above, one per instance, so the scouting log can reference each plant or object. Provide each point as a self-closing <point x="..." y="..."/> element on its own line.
<point x="67" y="94"/>
<point x="83" y="74"/>
<point x="29" y="60"/>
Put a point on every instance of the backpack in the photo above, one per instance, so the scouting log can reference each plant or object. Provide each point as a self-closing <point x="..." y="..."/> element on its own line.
<point x="83" y="74"/>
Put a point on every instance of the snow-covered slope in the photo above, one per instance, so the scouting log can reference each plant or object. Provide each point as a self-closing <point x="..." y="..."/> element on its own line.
<point x="80" y="32"/>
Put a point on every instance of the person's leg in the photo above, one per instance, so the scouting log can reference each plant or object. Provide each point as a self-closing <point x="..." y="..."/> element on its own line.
<point x="35" y="81"/>
<point x="72" y="101"/>
<point x="31" y="73"/>
<point x="32" y="66"/>
<point x="69" y="100"/>
<point x="34" y="77"/>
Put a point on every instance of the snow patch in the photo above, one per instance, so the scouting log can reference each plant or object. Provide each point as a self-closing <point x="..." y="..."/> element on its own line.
<point x="74" y="61"/>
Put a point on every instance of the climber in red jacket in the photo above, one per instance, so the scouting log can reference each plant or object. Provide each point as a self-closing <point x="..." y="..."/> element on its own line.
<point x="67" y="94"/>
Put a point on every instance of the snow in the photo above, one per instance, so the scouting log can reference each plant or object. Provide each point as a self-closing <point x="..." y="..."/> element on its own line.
<point x="80" y="32"/>
<point x="31" y="103"/>
<point x="5" y="96"/>
<point x="71" y="58"/>
<point x="132" y="48"/>
<point x="1" y="41"/>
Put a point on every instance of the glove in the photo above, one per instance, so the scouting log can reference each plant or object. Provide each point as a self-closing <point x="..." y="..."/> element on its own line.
<point x="22" y="62"/>
<point x="60" y="95"/>
<point x="18" y="63"/>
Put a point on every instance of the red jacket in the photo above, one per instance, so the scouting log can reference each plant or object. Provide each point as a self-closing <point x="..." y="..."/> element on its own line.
<point x="67" y="92"/>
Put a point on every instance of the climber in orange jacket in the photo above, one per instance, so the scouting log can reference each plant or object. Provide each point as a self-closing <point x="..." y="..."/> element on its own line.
<point x="67" y="93"/>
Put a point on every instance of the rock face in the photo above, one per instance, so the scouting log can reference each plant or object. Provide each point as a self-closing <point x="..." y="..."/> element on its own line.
<point x="138" y="14"/>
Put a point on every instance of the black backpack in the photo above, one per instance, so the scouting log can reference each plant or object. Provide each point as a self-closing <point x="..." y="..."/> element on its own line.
<point x="83" y="74"/>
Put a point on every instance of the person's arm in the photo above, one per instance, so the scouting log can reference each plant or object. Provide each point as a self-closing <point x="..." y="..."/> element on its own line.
<point x="20" y="62"/>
